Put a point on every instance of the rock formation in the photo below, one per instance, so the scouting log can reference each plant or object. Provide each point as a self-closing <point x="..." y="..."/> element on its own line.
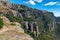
<point x="12" y="31"/>
<point x="31" y="27"/>
<point x="40" y="24"/>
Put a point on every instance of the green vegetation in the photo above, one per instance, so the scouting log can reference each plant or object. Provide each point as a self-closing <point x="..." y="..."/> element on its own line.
<point x="14" y="19"/>
<point x="0" y="12"/>
<point x="1" y="23"/>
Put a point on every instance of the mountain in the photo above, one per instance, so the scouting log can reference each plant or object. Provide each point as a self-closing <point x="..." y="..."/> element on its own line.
<point x="12" y="30"/>
<point x="35" y="24"/>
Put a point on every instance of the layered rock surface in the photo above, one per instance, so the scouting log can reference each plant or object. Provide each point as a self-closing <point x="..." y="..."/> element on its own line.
<point x="40" y="24"/>
<point x="12" y="31"/>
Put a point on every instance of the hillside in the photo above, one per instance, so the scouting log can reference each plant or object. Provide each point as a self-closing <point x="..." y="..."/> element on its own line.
<point x="28" y="23"/>
<point x="12" y="30"/>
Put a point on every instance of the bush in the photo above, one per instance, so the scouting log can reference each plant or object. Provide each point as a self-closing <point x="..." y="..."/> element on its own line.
<point x="1" y="23"/>
<point x="14" y="19"/>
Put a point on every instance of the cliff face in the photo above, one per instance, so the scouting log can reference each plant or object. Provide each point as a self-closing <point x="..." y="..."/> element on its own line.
<point x="12" y="30"/>
<point x="40" y="24"/>
<point x="58" y="25"/>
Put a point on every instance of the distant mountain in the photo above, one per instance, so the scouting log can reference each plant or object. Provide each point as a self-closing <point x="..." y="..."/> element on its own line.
<point x="39" y="24"/>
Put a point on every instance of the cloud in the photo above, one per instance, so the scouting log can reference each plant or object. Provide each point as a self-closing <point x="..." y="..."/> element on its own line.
<point x="32" y="2"/>
<point x="50" y="3"/>
<point x="58" y="4"/>
<point x="38" y="1"/>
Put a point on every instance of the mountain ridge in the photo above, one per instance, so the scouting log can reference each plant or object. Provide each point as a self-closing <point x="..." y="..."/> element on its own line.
<point x="39" y="24"/>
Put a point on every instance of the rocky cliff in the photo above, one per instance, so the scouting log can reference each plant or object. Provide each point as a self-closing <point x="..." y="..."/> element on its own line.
<point x="39" y="24"/>
<point x="12" y="30"/>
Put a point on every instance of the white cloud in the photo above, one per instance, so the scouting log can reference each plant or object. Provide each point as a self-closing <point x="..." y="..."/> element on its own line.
<point x="58" y="4"/>
<point x="38" y="1"/>
<point x="33" y="2"/>
<point x="50" y="3"/>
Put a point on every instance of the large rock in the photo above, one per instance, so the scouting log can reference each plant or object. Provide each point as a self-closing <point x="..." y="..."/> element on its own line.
<point x="32" y="27"/>
<point x="12" y="31"/>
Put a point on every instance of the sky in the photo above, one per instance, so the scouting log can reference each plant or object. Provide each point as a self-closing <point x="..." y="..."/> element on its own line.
<point x="48" y="5"/>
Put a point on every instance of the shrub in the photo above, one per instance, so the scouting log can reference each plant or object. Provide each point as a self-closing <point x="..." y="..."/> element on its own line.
<point x="14" y="19"/>
<point x="1" y="23"/>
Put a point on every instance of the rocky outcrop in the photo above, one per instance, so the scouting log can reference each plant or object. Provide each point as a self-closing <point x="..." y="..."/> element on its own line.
<point x="12" y="31"/>
<point x="31" y="27"/>
<point x="39" y="22"/>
